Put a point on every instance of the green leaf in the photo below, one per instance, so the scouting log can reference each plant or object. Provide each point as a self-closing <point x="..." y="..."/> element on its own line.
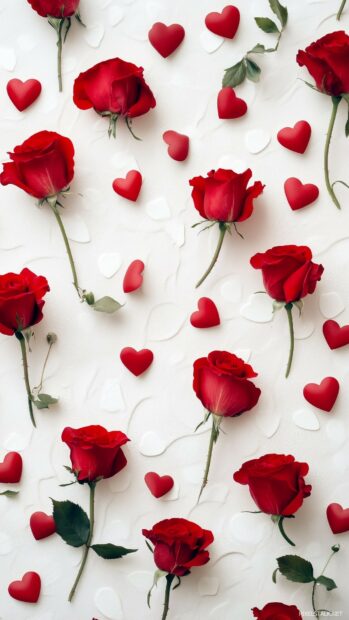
<point x="111" y="552"/>
<point x="253" y="71"/>
<point x="328" y="583"/>
<point x="257" y="49"/>
<point x="106" y="304"/>
<point x="295" y="568"/>
<point x="44" y="401"/>
<point x="72" y="523"/>
<point x="266" y="24"/>
<point x="280" y="11"/>
<point x="235" y="75"/>
<point x="9" y="493"/>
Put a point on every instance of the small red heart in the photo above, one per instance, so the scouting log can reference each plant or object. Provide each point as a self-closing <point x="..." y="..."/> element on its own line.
<point x="229" y="105"/>
<point x="11" y="468"/>
<point x="178" y="144"/>
<point x="23" y="94"/>
<point x="299" y="195"/>
<point x="338" y="518"/>
<point x="133" y="278"/>
<point x="130" y="186"/>
<point x="207" y="314"/>
<point x="158" y="485"/>
<point x="322" y="396"/>
<point x="226" y="23"/>
<point x="295" y="138"/>
<point x="136" y="362"/>
<point x="27" y="589"/>
<point x="42" y="525"/>
<point x="166" y="39"/>
<point x="335" y="335"/>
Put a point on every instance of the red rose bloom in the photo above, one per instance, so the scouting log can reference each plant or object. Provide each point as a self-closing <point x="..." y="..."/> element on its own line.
<point x="42" y="166"/>
<point x="21" y="300"/>
<point x="277" y="611"/>
<point x="114" y="86"/>
<point x="55" y="8"/>
<point x="179" y="545"/>
<point x="276" y="483"/>
<point x="222" y="383"/>
<point x="223" y="196"/>
<point x="288" y="272"/>
<point x="327" y="61"/>
<point x="95" y="452"/>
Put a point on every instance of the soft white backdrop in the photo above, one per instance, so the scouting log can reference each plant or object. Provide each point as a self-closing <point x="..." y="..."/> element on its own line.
<point x="159" y="410"/>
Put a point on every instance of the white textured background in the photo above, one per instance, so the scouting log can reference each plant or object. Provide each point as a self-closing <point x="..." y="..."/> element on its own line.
<point x="159" y="410"/>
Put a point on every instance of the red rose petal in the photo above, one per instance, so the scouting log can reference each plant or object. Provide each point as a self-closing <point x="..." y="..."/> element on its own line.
<point x="322" y="396"/>
<point x="207" y="315"/>
<point x="225" y="23"/>
<point x="27" y="589"/>
<point x="158" y="485"/>
<point x="42" y="525"/>
<point x="299" y="195"/>
<point x="130" y="186"/>
<point x="229" y="105"/>
<point x="166" y="39"/>
<point x="338" y="518"/>
<point x="178" y="144"/>
<point x="11" y="468"/>
<point x="136" y="362"/>
<point x="23" y="94"/>
<point x="335" y="335"/>
<point x="133" y="278"/>
<point x="295" y="138"/>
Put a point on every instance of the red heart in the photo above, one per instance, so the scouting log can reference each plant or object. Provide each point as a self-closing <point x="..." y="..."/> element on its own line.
<point x="295" y="138"/>
<point x="166" y="39"/>
<point x="322" y="396"/>
<point x="299" y="195"/>
<point x="133" y="278"/>
<point x="335" y="335"/>
<point x="226" y="23"/>
<point x="136" y="362"/>
<point x="27" y="589"/>
<point x="229" y="105"/>
<point x="158" y="485"/>
<point x="338" y="518"/>
<point x="42" y="525"/>
<point x="11" y="468"/>
<point x="130" y="186"/>
<point x="207" y="315"/>
<point x="178" y="144"/>
<point x="23" y="94"/>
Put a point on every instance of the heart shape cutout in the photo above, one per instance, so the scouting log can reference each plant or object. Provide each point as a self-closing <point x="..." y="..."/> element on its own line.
<point x="207" y="315"/>
<point x="322" y="396"/>
<point x="23" y="94"/>
<point x="158" y="485"/>
<point x="295" y="138"/>
<point x="130" y="186"/>
<point x="11" y="468"/>
<point x="335" y="335"/>
<point x="27" y="589"/>
<point x="42" y="525"/>
<point x="166" y="39"/>
<point x="225" y="23"/>
<point x="229" y="105"/>
<point x="178" y="144"/>
<point x="133" y="278"/>
<point x="338" y="518"/>
<point x="300" y="195"/>
<point x="136" y="362"/>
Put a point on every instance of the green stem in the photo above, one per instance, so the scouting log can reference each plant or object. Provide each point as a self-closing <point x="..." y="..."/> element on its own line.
<point x="288" y="309"/>
<point x="335" y="103"/>
<point x="92" y="486"/>
<point x="21" y="339"/>
<point x="335" y="550"/>
<point x="222" y="230"/>
<point x="213" y="439"/>
<point x="59" y="54"/>
<point x="340" y="10"/>
<point x="39" y="387"/>
<point x="169" y="579"/>
<point x="283" y="533"/>
<point x="67" y="247"/>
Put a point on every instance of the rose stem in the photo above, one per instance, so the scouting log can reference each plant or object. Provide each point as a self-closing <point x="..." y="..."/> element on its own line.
<point x="340" y="10"/>
<point x="213" y="439"/>
<point x="335" y="549"/>
<point x="59" y="54"/>
<point x="222" y="231"/>
<point x="169" y="579"/>
<point x="283" y="533"/>
<point x="288" y="309"/>
<point x="67" y="247"/>
<point x="21" y="339"/>
<point x="335" y="104"/>
<point x="92" y="486"/>
<point x="39" y="387"/>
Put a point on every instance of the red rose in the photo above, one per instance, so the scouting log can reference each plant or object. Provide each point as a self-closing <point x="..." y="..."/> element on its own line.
<point x="21" y="300"/>
<point x="277" y="611"/>
<point x="114" y="86"/>
<point x="288" y="272"/>
<point x="95" y="452"/>
<point x="221" y="382"/>
<point x="55" y="8"/>
<point x="223" y="196"/>
<point x="179" y="545"/>
<point x="276" y="483"/>
<point x="327" y="61"/>
<point x="42" y="166"/>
